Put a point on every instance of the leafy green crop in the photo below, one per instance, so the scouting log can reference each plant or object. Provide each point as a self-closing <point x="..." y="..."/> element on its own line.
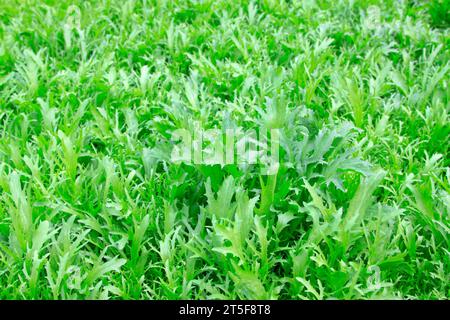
<point x="92" y="205"/>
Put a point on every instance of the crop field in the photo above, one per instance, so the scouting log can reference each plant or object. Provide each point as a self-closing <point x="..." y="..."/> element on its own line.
<point x="209" y="149"/>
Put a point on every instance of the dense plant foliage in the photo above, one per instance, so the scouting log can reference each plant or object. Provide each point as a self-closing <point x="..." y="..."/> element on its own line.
<point x="92" y="207"/>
